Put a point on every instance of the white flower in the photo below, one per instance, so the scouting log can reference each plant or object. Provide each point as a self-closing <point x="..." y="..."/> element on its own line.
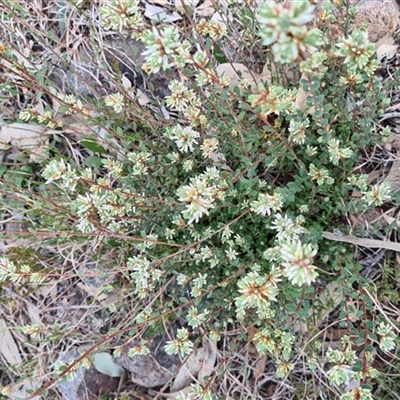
<point x="286" y="228"/>
<point x="208" y="147"/>
<point x="267" y="203"/>
<point x="297" y="130"/>
<point x="199" y="196"/>
<point x="336" y="152"/>
<point x="116" y="101"/>
<point x="184" y="137"/>
<point x="298" y="263"/>
<point x="378" y="194"/>
<point x="181" y="96"/>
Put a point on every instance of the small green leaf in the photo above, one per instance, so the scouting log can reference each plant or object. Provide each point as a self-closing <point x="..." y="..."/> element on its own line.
<point x="3" y="169"/>
<point x="315" y="84"/>
<point x="93" y="162"/>
<point x="63" y="109"/>
<point x="93" y="146"/>
<point x="305" y="85"/>
<point x="219" y="55"/>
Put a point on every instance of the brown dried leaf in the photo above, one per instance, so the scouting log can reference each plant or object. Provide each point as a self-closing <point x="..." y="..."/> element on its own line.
<point x="173" y="395"/>
<point x="189" y="370"/>
<point x="143" y="99"/>
<point x="93" y="291"/>
<point x="24" y="136"/>
<point x="49" y="289"/>
<point x="386" y="50"/>
<point x="237" y="72"/>
<point x="161" y="2"/>
<point x="330" y="298"/>
<point x="199" y="364"/>
<point x="22" y="390"/>
<point x="393" y="177"/>
<point x="160" y="14"/>
<point x="210" y="350"/>
<point x="8" y="347"/>
<point x="365" y="242"/>
<point x="259" y="368"/>
<point x="301" y="98"/>
<point x="33" y="314"/>
<point x="207" y="9"/>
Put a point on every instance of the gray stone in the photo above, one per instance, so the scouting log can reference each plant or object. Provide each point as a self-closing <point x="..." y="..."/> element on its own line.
<point x="154" y="369"/>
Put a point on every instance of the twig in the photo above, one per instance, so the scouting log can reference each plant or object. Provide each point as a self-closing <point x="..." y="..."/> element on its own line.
<point x="389" y="115"/>
<point x="371" y="243"/>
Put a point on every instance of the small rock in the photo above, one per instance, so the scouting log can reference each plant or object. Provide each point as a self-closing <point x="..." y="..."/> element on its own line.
<point x="381" y="16"/>
<point x="86" y="384"/>
<point x="154" y="369"/>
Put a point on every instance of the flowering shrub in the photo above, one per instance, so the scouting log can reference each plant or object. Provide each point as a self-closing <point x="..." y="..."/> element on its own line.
<point x="221" y="210"/>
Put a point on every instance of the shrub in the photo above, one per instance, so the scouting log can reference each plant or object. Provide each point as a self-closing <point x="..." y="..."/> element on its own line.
<point x="215" y="201"/>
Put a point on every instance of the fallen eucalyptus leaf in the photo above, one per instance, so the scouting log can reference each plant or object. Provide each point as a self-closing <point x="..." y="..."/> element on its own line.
<point x="386" y="50"/>
<point x="8" y="347"/>
<point x="189" y="370"/>
<point x="210" y="356"/>
<point x="160" y="14"/>
<point x="29" y="137"/>
<point x="105" y="364"/>
<point x="237" y="72"/>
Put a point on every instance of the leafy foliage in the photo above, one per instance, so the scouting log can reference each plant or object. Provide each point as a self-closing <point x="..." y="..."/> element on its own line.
<point x="218" y="213"/>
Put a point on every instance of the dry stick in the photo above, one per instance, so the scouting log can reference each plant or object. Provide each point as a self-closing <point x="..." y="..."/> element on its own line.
<point x="389" y="115"/>
<point x="371" y="243"/>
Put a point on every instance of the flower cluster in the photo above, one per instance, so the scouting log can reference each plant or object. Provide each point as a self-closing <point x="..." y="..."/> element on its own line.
<point x="342" y="372"/>
<point x="214" y="28"/>
<point x="297" y="131"/>
<point x="266" y="203"/>
<point x="273" y="100"/>
<point x="116" y="101"/>
<point x="298" y="263"/>
<point x="275" y="343"/>
<point x="286" y="228"/>
<point x="121" y="14"/>
<point x="321" y="175"/>
<point x="181" y="344"/>
<point x="387" y="338"/>
<point x="58" y="170"/>
<point x="9" y="271"/>
<point x="358" y="52"/>
<point x="285" y="29"/>
<point x="144" y="275"/>
<point x="181" y="97"/>
<point x="164" y="49"/>
<point x="336" y="152"/>
<point x="257" y="291"/>
<point x="139" y="162"/>
<point x="378" y="194"/>
<point x="185" y="138"/>
<point x="46" y="118"/>
<point x="201" y="193"/>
